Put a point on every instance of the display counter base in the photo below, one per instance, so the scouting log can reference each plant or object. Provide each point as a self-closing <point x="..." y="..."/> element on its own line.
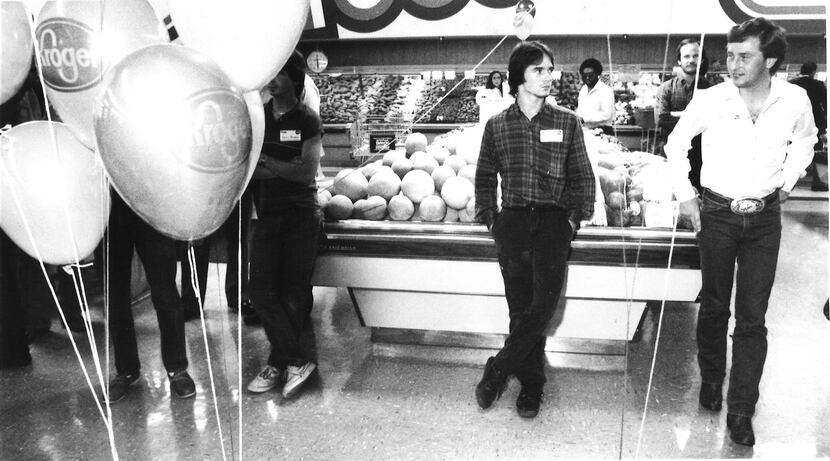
<point x="381" y="336"/>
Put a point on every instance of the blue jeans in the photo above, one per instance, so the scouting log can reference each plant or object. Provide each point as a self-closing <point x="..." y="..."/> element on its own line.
<point x="532" y="246"/>
<point x="752" y="242"/>
<point x="127" y="231"/>
<point x="283" y="253"/>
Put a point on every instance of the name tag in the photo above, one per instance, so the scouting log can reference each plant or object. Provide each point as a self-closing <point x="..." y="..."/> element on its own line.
<point x="551" y="135"/>
<point x="290" y="135"/>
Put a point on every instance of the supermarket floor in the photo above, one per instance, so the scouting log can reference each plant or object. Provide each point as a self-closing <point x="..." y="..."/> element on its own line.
<point x="380" y="402"/>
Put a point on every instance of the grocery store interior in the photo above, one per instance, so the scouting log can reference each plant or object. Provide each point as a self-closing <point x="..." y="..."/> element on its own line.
<point x="407" y="309"/>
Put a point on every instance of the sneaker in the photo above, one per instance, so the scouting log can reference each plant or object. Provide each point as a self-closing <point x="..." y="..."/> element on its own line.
<point x="266" y="380"/>
<point x="181" y="384"/>
<point x="119" y="386"/>
<point x="296" y="377"/>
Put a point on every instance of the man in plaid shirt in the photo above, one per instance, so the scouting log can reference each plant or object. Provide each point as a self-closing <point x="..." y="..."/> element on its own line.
<point x="547" y="189"/>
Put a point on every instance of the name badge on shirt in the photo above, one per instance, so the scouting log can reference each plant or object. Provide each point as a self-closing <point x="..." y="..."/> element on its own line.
<point x="551" y="135"/>
<point x="289" y="135"/>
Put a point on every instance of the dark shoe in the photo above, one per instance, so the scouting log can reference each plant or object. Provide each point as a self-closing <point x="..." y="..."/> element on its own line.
<point x="491" y="386"/>
<point x="119" y="386"/>
<point x="249" y="314"/>
<point x="740" y="430"/>
<point x="530" y="398"/>
<point x="710" y="396"/>
<point x="181" y="384"/>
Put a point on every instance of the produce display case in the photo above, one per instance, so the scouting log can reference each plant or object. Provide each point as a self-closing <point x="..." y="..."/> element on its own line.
<point x="417" y="281"/>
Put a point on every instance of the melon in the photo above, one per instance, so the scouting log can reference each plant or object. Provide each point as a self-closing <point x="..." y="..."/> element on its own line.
<point x="400" y="208"/>
<point x="432" y="209"/>
<point x="471" y="207"/>
<point x="350" y="183"/>
<point x="417" y="185"/>
<point x="370" y="169"/>
<point x="373" y="208"/>
<point x="455" y="162"/>
<point x="469" y="172"/>
<point x="464" y="216"/>
<point x="402" y="166"/>
<point x="323" y="198"/>
<point x="423" y="161"/>
<point x="385" y="183"/>
<point x="616" y="200"/>
<point x="390" y="157"/>
<point x="451" y="216"/>
<point x="468" y="148"/>
<point x="457" y="191"/>
<point x="441" y="174"/>
<point x="438" y="152"/>
<point x="339" y="207"/>
<point x="415" y="142"/>
<point x="359" y="206"/>
<point x="451" y="142"/>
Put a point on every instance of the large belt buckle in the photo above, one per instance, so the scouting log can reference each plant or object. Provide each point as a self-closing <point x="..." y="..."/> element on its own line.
<point x="747" y="206"/>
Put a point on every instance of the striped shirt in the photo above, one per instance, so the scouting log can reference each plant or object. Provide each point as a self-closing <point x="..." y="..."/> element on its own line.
<point x="542" y="162"/>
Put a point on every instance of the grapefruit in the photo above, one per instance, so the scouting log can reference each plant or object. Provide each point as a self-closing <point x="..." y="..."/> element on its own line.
<point x="451" y="216"/>
<point x="417" y="185"/>
<point x="438" y="152"/>
<point x="370" y="169"/>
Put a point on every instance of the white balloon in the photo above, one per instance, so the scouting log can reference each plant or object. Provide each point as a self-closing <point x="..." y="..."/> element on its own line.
<point x="250" y="39"/>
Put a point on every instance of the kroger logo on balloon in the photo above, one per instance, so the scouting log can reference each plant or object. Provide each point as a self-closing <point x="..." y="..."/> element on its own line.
<point x="67" y="54"/>
<point x="220" y="131"/>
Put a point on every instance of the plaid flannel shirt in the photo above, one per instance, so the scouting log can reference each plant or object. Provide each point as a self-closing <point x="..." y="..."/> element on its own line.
<point x="556" y="172"/>
<point x="674" y="95"/>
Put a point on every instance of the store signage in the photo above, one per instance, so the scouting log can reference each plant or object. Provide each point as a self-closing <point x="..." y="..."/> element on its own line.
<point x="220" y="131"/>
<point x="66" y="52"/>
<point x="381" y="142"/>
<point x="464" y="18"/>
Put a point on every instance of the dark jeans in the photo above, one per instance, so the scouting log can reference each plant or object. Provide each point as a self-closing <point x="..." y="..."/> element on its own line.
<point x="229" y="234"/>
<point x="14" y="350"/>
<point x="752" y="242"/>
<point x="284" y="249"/>
<point x="157" y="252"/>
<point x="533" y="247"/>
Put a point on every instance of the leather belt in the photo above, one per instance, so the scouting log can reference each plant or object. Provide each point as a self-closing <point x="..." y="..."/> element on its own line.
<point x="743" y="206"/>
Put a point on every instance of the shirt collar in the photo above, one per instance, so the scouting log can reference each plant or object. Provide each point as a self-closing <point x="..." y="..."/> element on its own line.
<point x="774" y="90"/>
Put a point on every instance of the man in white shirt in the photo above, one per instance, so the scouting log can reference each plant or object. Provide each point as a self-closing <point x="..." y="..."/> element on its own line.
<point x="758" y="136"/>
<point x="595" y="104"/>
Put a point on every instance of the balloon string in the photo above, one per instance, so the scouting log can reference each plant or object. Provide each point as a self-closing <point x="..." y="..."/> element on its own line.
<point x="194" y="281"/>
<point x="239" y="270"/>
<point x="666" y="283"/>
<point x="15" y="198"/>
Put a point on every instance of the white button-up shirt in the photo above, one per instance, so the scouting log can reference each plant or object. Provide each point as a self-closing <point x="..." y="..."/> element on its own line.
<point x="596" y="106"/>
<point x="742" y="158"/>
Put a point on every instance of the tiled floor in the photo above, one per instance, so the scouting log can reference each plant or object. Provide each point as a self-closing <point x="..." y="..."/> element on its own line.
<point x="378" y="402"/>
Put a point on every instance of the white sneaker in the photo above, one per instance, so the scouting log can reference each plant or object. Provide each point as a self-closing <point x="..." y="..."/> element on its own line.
<point x="295" y="377"/>
<point x="266" y="379"/>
